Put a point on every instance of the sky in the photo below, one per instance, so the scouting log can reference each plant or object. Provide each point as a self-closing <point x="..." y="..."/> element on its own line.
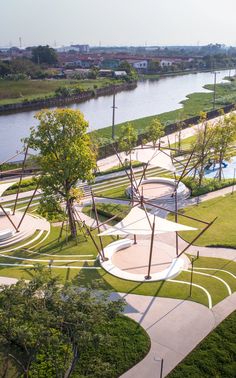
<point x="113" y="22"/>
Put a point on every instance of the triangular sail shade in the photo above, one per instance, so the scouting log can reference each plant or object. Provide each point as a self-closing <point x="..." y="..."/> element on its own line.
<point x="155" y="157"/>
<point x="138" y="222"/>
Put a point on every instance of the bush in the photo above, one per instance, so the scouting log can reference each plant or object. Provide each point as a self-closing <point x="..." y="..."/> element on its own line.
<point x="208" y="185"/>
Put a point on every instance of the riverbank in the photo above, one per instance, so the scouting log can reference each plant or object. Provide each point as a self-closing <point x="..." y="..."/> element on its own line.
<point x="191" y="107"/>
<point x="46" y="93"/>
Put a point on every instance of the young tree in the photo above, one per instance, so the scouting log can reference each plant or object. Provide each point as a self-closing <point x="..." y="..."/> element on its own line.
<point x="65" y="156"/>
<point x="202" y="145"/>
<point x="128" y="138"/>
<point x="224" y="135"/>
<point x="155" y="131"/>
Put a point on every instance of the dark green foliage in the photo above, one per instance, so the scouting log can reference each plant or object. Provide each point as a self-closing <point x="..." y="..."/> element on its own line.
<point x="214" y="357"/>
<point x="49" y="330"/>
<point x="27" y="184"/>
<point x="44" y="54"/>
<point x="208" y="185"/>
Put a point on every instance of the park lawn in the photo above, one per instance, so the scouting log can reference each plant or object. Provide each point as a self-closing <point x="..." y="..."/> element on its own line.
<point x="128" y="344"/>
<point x="100" y="278"/>
<point x="192" y="106"/>
<point x="118" y="192"/>
<point x="215" y="356"/>
<point x="222" y="232"/>
<point x="16" y="91"/>
<point x="106" y="211"/>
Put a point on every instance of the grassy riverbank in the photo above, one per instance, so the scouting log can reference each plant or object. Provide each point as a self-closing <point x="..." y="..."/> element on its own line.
<point x="192" y="106"/>
<point x="12" y="92"/>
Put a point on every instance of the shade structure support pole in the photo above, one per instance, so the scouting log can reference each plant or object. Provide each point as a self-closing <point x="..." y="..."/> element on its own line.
<point x="98" y="227"/>
<point x="131" y="182"/>
<point x="4" y="211"/>
<point x="19" y="185"/>
<point x="148" y="277"/>
<point x="143" y="173"/>
<point x="135" y="239"/>
<point x="197" y="237"/>
<point x="27" y="207"/>
<point x="92" y="238"/>
<point x="173" y="212"/>
<point x="122" y="164"/>
<point x="176" y="219"/>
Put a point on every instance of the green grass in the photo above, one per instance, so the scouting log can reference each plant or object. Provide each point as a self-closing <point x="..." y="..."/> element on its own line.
<point x="222" y="232"/>
<point x="215" y="356"/>
<point x="106" y="211"/>
<point x="118" y="192"/>
<point x="195" y="103"/>
<point x="26" y="185"/>
<point x="57" y="248"/>
<point x="16" y="91"/>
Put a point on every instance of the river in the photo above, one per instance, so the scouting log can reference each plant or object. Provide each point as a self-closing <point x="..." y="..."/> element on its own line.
<point x="149" y="98"/>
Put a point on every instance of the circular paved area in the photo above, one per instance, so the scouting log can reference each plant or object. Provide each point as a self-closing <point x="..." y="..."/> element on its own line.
<point x="156" y="190"/>
<point x="135" y="258"/>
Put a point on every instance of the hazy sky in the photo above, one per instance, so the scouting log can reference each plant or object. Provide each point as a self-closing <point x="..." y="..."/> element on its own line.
<point x="117" y="22"/>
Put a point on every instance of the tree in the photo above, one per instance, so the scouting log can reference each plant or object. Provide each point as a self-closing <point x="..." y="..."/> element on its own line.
<point x="44" y="54"/>
<point x="202" y="145"/>
<point x="128" y="138"/>
<point x="155" y="131"/>
<point x="5" y="69"/>
<point x="65" y="156"/>
<point x="224" y="136"/>
<point x="46" y="327"/>
<point x="154" y="66"/>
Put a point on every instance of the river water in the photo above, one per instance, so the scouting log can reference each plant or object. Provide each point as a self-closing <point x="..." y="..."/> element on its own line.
<point x="149" y="98"/>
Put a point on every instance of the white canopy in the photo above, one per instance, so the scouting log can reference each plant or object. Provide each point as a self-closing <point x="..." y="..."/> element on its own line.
<point x="154" y="157"/>
<point x="137" y="223"/>
<point x="4" y="187"/>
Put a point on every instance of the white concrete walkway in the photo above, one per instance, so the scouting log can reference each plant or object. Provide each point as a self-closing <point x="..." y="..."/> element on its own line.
<point x="175" y="327"/>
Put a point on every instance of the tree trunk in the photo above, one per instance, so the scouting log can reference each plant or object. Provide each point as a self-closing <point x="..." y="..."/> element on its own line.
<point x="73" y="362"/>
<point x="69" y="204"/>
<point x="220" y="169"/>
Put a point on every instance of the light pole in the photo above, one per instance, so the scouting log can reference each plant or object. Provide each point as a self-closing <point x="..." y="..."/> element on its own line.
<point x="214" y="90"/>
<point x="113" y="114"/>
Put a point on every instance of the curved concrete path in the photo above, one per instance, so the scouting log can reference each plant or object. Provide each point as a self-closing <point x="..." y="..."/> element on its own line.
<point x="175" y="328"/>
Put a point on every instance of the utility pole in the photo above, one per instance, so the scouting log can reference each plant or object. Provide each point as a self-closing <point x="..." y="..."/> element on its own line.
<point x="214" y="91"/>
<point x="113" y="114"/>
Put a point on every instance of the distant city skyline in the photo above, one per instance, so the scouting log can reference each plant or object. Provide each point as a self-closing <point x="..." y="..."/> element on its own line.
<point x="112" y="23"/>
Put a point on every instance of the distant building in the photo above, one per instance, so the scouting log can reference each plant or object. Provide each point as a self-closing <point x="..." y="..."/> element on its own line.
<point x="76" y="48"/>
<point x="105" y="73"/>
<point x="119" y="74"/>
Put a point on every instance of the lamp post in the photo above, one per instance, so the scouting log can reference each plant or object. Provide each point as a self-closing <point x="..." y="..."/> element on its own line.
<point x="113" y="114"/>
<point x="214" y="89"/>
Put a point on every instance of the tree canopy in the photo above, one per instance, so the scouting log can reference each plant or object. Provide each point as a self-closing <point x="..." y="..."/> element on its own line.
<point x="154" y="131"/>
<point x="65" y="156"/>
<point x="48" y="328"/>
<point x="44" y="54"/>
<point x="128" y="138"/>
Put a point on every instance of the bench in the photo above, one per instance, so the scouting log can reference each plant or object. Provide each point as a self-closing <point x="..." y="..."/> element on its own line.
<point x="6" y="234"/>
<point x="7" y="210"/>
